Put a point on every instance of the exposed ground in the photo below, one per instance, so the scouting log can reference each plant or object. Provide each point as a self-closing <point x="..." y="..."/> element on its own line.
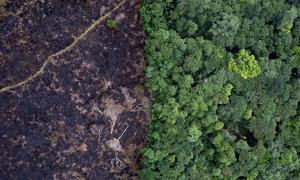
<point x="72" y="102"/>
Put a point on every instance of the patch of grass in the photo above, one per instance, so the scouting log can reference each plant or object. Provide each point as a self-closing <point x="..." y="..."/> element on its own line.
<point x="111" y="24"/>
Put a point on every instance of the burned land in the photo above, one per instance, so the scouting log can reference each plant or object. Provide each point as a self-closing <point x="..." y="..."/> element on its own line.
<point x="72" y="99"/>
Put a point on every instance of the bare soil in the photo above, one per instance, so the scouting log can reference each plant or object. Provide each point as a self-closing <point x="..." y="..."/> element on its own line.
<point x="85" y="115"/>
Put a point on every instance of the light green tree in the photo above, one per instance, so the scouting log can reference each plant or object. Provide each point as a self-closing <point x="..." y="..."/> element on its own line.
<point x="245" y="65"/>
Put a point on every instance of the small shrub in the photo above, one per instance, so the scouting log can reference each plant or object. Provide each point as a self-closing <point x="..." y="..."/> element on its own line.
<point x="111" y="24"/>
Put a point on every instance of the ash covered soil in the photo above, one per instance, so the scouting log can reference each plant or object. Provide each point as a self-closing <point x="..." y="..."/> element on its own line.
<point x="86" y="114"/>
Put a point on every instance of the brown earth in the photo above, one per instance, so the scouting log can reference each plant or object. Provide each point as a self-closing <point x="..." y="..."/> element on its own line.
<point x="81" y="113"/>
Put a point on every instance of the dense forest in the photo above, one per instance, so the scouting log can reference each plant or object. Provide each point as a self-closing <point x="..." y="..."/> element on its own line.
<point x="225" y="81"/>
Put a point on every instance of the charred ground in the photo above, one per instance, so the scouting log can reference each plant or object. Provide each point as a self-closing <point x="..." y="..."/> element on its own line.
<point x="66" y="122"/>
